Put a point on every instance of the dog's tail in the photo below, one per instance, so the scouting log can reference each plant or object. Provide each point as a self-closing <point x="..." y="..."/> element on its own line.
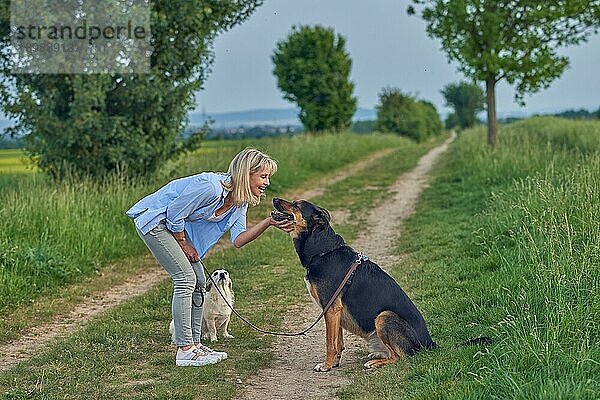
<point x="479" y="341"/>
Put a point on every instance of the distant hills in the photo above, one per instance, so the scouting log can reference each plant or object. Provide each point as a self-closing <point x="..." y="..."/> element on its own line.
<point x="281" y="117"/>
<point x="259" y="117"/>
<point x="277" y="117"/>
<point x="269" y="116"/>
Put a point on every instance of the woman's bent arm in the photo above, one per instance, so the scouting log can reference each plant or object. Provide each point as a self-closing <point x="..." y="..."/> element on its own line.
<point x="257" y="230"/>
<point x="252" y="233"/>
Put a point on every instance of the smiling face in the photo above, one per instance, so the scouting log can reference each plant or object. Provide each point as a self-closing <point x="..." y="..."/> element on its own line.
<point x="259" y="181"/>
<point x="250" y="172"/>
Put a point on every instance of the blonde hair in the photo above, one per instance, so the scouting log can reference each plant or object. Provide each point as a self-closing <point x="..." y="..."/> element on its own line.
<point x="246" y="162"/>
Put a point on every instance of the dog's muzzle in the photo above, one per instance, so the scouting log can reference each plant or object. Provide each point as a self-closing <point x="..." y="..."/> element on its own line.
<point x="281" y="216"/>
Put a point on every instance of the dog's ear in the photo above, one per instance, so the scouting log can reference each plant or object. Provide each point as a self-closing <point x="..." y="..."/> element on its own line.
<point x="208" y="286"/>
<point x="325" y="214"/>
<point x="321" y="217"/>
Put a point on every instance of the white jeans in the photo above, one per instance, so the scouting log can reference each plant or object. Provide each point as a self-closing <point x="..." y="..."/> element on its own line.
<point x="189" y="284"/>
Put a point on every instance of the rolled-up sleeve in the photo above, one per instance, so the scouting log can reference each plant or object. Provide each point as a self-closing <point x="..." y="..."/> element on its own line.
<point x="239" y="225"/>
<point x="198" y="193"/>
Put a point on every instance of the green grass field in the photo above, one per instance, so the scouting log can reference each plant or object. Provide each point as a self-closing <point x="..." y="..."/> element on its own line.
<point x="14" y="161"/>
<point x="505" y="243"/>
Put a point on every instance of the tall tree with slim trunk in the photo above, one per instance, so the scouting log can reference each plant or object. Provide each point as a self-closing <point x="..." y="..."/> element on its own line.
<point x="516" y="40"/>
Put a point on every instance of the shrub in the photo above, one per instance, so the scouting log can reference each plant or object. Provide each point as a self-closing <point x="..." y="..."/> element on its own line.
<point x="403" y="114"/>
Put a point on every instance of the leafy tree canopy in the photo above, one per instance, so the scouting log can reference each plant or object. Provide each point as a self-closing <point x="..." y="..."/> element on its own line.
<point x="94" y="124"/>
<point x="403" y="114"/>
<point x="467" y="99"/>
<point x="452" y="121"/>
<point x="312" y="69"/>
<point x="516" y="40"/>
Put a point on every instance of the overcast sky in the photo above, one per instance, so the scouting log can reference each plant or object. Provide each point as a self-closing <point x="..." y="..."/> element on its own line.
<point x="387" y="47"/>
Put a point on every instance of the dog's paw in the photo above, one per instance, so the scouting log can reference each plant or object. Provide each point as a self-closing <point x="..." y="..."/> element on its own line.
<point x="376" y="363"/>
<point x="377" y="355"/>
<point x="227" y="335"/>
<point x="213" y="338"/>
<point x="321" y="368"/>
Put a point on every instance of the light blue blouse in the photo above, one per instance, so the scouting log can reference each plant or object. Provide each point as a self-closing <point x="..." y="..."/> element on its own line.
<point x="187" y="204"/>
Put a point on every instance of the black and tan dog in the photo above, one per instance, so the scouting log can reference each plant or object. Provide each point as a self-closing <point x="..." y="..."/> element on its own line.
<point x="371" y="305"/>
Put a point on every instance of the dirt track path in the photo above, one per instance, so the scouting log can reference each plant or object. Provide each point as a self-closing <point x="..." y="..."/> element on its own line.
<point x="292" y="377"/>
<point x="20" y="349"/>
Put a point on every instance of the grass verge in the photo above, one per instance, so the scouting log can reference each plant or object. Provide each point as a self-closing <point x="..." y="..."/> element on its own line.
<point x="505" y="243"/>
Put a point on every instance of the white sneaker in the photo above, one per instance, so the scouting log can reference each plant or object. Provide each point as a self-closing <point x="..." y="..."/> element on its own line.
<point x="221" y="354"/>
<point x="195" y="358"/>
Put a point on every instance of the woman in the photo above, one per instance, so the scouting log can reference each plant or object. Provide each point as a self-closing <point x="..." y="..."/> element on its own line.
<point x="182" y="220"/>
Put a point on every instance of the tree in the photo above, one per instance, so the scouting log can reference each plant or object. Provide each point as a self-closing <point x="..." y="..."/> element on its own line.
<point x="467" y="99"/>
<point x="516" y="40"/>
<point x="433" y="123"/>
<point x="95" y="124"/>
<point x="451" y="121"/>
<point x="400" y="113"/>
<point x="312" y="69"/>
<point x="364" y="126"/>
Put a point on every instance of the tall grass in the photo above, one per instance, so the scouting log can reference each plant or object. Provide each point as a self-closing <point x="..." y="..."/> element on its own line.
<point x="506" y="243"/>
<point x="55" y="233"/>
<point x="551" y="330"/>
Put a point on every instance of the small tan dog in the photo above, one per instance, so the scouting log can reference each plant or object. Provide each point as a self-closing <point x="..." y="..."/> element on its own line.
<point x="216" y="311"/>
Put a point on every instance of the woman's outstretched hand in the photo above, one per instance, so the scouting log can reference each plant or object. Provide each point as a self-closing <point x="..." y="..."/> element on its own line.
<point x="285" y="225"/>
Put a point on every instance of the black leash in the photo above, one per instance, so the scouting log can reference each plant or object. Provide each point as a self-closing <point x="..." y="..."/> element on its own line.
<point x="201" y="295"/>
<point x="360" y="258"/>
